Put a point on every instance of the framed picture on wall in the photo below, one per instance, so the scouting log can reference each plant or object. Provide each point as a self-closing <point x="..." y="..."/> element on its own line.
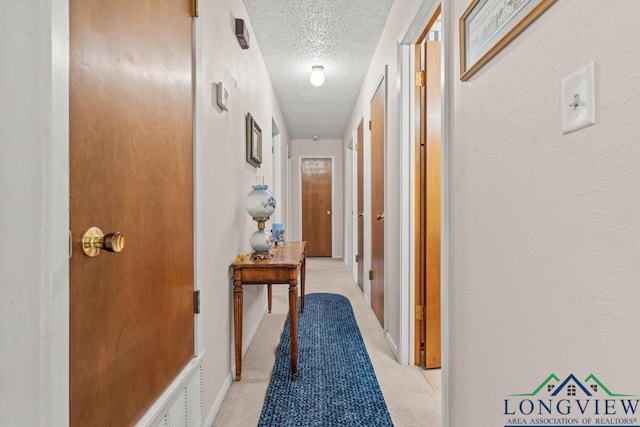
<point x="489" y="25"/>
<point x="254" y="142"/>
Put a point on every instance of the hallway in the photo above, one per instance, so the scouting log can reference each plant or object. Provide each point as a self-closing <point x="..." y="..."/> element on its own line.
<point x="409" y="397"/>
<point x="540" y="228"/>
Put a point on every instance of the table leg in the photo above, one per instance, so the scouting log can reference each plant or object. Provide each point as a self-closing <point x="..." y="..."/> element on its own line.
<point x="303" y="269"/>
<point x="237" y="321"/>
<point x="269" y="296"/>
<point x="293" y="323"/>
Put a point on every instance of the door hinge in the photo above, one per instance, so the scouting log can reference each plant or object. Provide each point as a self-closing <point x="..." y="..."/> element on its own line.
<point x="370" y="125"/>
<point x="196" y="301"/>
<point x="356" y="258"/>
<point x="370" y="274"/>
<point x="195" y="8"/>
<point x="70" y="244"/>
<point x="420" y="79"/>
<point x="419" y="312"/>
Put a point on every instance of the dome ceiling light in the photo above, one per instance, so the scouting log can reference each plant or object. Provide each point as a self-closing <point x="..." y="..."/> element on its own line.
<point x="317" y="75"/>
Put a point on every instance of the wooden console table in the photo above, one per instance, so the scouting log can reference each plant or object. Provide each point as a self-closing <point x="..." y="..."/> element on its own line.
<point x="281" y="269"/>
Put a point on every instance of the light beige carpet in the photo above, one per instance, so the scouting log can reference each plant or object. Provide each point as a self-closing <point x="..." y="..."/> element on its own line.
<point x="410" y="398"/>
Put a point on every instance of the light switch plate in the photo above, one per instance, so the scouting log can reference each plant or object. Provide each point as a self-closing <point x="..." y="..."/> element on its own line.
<point x="578" y="99"/>
<point x="222" y="96"/>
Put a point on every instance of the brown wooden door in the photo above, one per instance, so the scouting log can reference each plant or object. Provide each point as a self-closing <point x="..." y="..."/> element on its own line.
<point x="433" y="146"/>
<point x="360" y="174"/>
<point x="428" y="343"/>
<point x="131" y="156"/>
<point x="377" y="201"/>
<point x="316" y="206"/>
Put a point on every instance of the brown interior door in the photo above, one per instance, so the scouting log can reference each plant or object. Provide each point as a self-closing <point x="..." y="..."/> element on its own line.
<point x="428" y="329"/>
<point x="377" y="201"/>
<point x="316" y="206"/>
<point x="432" y="226"/>
<point x="131" y="168"/>
<point x="360" y="174"/>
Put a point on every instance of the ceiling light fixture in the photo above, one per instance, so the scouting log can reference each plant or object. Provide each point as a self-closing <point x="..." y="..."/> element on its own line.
<point x="317" y="75"/>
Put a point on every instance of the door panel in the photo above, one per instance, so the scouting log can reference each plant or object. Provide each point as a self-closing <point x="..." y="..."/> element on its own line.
<point x="131" y="156"/>
<point x="428" y="203"/>
<point x="432" y="226"/>
<point x="316" y="206"/>
<point x="377" y="201"/>
<point x="360" y="210"/>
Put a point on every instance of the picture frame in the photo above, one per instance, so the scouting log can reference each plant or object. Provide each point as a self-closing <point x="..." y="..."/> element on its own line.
<point x="487" y="26"/>
<point x="253" y="141"/>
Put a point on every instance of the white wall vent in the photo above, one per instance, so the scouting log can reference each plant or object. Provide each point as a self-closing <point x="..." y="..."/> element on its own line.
<point x="181" y="404"/>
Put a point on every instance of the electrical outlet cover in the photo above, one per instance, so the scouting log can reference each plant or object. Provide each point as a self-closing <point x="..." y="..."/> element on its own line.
<point x="222" y="96"/>
<point x="578" y="99"/>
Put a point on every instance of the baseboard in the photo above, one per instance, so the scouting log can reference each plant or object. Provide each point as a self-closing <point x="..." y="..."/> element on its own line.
<point x="393" y="345"/>
<point x="218" y="402"/>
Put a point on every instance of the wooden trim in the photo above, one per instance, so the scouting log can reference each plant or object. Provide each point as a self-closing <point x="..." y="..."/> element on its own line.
<point x="465" y="73"/>
<point x="432" y="21"/>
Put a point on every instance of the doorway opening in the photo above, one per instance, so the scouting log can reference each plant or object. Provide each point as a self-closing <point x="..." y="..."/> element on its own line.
<point x="428" y="54"/>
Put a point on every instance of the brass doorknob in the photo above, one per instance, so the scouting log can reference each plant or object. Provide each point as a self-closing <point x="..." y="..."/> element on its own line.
<point x="380" y="216"/>
<point x="328" y="212"/>
<point x="94" y="239"/>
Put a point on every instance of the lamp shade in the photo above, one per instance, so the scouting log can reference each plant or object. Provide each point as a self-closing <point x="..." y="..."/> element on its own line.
<point x="317" y="75"/>
<point x="260" y="202"/>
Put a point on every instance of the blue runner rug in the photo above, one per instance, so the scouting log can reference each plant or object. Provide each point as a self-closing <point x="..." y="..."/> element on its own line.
<point x="336" y="384"/>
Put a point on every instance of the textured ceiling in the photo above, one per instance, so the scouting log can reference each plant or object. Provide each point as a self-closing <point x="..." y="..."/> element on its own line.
<point x="340" y="35"/>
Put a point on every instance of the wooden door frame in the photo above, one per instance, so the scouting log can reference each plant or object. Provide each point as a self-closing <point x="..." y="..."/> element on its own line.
<point x="333" y="196"/>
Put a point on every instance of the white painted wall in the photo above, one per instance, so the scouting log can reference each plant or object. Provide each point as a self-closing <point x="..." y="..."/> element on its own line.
<point x="223" y="180"/>
<point x="321" y="148"/>
<point x="33" y="220"/>
<point x="545" y="230"/>
<point x="34" y="201"/>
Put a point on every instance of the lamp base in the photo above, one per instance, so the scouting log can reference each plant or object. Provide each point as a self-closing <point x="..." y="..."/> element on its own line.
<point x="261" y="256"/>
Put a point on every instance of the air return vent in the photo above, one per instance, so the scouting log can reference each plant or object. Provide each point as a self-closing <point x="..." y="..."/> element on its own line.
<point x="181" y="405"/>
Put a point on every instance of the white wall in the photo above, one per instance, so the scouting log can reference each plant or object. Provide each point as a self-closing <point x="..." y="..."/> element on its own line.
<point x="545" y="230"/>
<point x="34" y="201"/>
<point x="224" y="178"/>
<point x="33" y="220"/>
<point x="321" y="148"/>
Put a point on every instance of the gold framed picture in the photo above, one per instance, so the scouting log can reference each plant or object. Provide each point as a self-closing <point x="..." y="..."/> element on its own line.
<point x="489" y="25"/>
